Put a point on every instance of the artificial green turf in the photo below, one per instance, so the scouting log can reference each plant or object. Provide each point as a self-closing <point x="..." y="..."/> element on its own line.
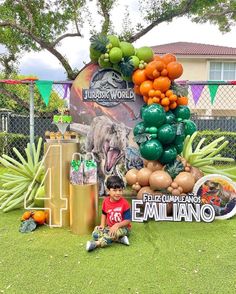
<point x="163" y="257"/>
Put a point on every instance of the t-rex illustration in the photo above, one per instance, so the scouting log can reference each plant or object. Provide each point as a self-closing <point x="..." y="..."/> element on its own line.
<point x="107" y="140"/>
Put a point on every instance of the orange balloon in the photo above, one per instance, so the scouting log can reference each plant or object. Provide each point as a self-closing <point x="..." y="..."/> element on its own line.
<point x="175" y="70"/>
<point x="160" y="65"/>
<point x="145" y="99"/>
<point x="158" y="93"/>
<point x="157" y="58"/>
<point x="182" y="100"/>
<point x="169" y="93"/>
<point x="150" y="101"/>
<point x="164" y="72"/>
<point x="155" y="99"/>
<point x="137" y="89"/>
<point x="173" y="105"/>
<point x="162" y="84"/>
<point x="173" y="97"/>
<point x="150" y="68"/>
<point x="165" y="102"/>
<point x="151" y="93"/>
<point x="139" y="76"/>
<point x="145" y="87"/>
<point x="156" y="74"/>
<point x="167" y="58"/>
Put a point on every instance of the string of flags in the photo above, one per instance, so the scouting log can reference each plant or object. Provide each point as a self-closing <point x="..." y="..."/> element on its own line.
<point x="197" y="91"/>
<point x="45" y="88"/>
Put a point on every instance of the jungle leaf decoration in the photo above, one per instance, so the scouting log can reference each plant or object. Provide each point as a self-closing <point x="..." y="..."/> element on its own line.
<point x="99" y="43"/>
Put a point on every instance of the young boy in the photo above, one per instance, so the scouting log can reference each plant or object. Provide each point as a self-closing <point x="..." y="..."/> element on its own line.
<point x="116" y="217"/>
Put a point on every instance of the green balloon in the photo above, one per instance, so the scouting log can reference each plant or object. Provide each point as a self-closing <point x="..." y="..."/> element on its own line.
<point x="166" y="134"/>
<point x="170" y="117"/>
<point x="179" y="139"/>
<point x="154" y="115"/>
<point x="152" y="130"/>
<point x="189" y="127"/>
<point x="139" y="128"/>
<point x="169" y="155"/>
<point x="142" y="110"/>
<point x="182" y="112"/>
<point x="179" y="147"/>
<point x="151" y="150"/>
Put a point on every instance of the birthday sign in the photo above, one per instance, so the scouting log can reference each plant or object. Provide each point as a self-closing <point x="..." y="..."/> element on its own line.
<point x="185" y="208"/>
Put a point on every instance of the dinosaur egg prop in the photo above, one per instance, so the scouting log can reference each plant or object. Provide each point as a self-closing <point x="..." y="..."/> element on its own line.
<point x="131" y="176"/>
<point x="143" y="176"/>
<point x="144" y="190"/>
<point x="136" y="187"/>
<point x="160" y="180"/>
<point x="186" y="181"/>
<point x="145" y="162"/>
<point x="154" y="165"/>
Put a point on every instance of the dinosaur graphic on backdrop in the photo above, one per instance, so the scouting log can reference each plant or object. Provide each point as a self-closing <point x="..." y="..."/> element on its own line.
<point x="108" y="140"/>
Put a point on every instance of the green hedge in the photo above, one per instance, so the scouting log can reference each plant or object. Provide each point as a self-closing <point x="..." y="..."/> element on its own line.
<point x="229" y="150"/>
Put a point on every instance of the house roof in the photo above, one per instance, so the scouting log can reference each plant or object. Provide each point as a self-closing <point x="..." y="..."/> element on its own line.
<point x="187" y="48"/>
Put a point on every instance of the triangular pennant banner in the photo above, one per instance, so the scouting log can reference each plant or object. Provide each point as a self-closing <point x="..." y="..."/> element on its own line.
<point x="196" y="91"/>
<point x="213" y="90"/>
<point x="45" y="88"/>
<point x="66" y="87"/>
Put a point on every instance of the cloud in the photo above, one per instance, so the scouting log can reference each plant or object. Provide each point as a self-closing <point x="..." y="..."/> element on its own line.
<point x="36" y="64"/>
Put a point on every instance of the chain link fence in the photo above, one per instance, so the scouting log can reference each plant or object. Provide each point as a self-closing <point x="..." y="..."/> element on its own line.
<point x="213" y="107"/>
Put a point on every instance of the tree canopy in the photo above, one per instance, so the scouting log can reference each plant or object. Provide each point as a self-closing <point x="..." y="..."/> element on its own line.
<point x="32" y="25"/>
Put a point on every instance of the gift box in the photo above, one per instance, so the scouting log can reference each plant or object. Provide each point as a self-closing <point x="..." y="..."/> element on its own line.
<point x="77" y="170"/>
<point x="90" y="169"/>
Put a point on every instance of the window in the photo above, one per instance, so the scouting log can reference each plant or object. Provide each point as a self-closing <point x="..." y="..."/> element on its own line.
<point x="222" y="71"/>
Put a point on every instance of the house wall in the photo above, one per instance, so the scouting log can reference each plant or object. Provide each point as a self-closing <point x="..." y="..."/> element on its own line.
<point x="197" y="69"/>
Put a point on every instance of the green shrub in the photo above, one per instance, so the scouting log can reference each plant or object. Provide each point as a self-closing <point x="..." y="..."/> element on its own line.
<point x="210" y="135"/>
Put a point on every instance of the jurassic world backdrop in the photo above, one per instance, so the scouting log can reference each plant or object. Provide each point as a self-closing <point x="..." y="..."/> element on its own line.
<point x="105" y="109"/>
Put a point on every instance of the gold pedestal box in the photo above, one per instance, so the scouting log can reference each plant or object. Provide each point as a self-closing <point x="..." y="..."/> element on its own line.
<point x="57" y="162"/>
<point x="83" y="208"/>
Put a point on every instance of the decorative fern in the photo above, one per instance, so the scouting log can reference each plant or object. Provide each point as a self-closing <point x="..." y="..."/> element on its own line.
<point x="99" y="43"/>
<point x="174" y="168"/>
<point x="126" y="67"/>
<point x="142" y="138"/>
<point x="179" y="90"/>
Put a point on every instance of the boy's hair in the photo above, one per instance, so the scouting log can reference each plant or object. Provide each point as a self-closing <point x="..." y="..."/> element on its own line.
<point x="114" y="182"/>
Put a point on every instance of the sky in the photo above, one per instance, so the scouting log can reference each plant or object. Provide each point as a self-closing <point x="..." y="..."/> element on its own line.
<point x="47" y="67"/>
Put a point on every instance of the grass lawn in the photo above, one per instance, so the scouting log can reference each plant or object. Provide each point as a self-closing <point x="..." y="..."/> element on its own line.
<point x="163" y="257"/>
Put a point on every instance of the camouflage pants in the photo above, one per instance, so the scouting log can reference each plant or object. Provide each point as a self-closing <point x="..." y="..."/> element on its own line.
<point x="105" y="239"/>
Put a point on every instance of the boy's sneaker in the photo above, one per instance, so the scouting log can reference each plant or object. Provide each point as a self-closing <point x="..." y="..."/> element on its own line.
<point x="124" y="240"/>
<point x="91" y="245"/>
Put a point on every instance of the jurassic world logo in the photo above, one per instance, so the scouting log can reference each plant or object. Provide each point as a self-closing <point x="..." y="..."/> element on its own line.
<point x="108" y="89"/>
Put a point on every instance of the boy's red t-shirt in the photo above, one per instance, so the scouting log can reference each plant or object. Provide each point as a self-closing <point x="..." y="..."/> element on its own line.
<point x="115" y="210"/>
